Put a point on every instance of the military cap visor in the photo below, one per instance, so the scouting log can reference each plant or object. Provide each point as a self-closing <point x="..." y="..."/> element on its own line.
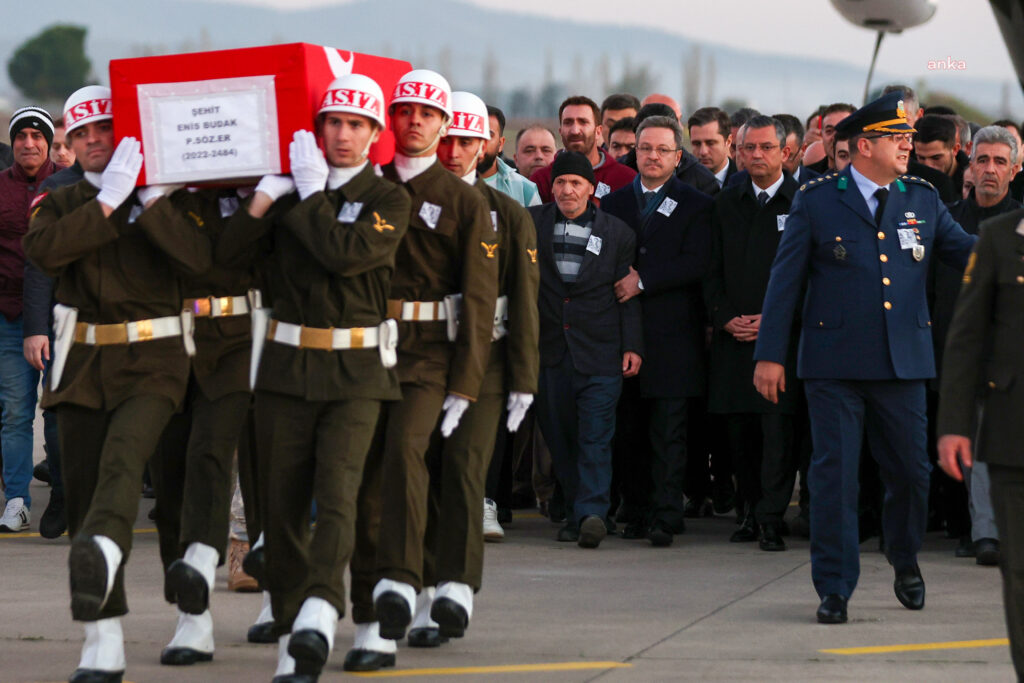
<point x="883" y="116"/>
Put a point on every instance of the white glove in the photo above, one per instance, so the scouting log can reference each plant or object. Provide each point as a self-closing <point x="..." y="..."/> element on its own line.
<point x="151" y="192"/>
<point x="518" y="404"/>
<point x="454" y="407"/>
<point x="309" y="168"/>
<point x="276" y="186"/>
<point x="118" y="178"/>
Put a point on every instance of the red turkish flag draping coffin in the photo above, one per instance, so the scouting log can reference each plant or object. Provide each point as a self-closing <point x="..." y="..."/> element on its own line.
<point x="229" y="115"/>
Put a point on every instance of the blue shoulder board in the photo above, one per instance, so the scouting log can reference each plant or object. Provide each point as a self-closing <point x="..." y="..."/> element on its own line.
<point x="821" y="180"/>
<point x="913" y="179"/>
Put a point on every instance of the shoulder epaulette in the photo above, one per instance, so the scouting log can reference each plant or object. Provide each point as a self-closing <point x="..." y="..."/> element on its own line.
<point x="915" y="179"/>
<point x="819" y="181"/>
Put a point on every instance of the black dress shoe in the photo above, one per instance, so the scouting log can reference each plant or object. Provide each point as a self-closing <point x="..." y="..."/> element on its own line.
<point x="909" y="587"/>
<point x="255" y="565"/>
<point x="87" y="568"/>
<point x="450" y="616"/>
<point x="393" y="614"/>
<point x="261" y="633"/>
<point x="771" y="538"/>
<point x="183" y="656"/>
<point x="660" y="534"/>
<point x="634" y="530"/>
<point x="42" y="472"/>
<point x="987" y="552"/>
<point x="426" y="636"/>
<point x="309" y="650"/>
<point x="747" y="533"/>
<point x="189" y="588"/>
<point x="568" y="533"/>
<point x="965" y="548"/>
<point x="723" y="497"/>
<point x="95" y="676"/>
<point x="698" y="507"/>
<point x="832" y="609"/>
<point x="54" y="521"/>
<point x="367" y="660"/>
<point x="592" y="532"/>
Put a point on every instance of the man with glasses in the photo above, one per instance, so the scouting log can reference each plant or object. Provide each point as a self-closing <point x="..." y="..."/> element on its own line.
<point x="856" y="249"/>
<point x="673" y="237"/>
<point x="747" y="223"/>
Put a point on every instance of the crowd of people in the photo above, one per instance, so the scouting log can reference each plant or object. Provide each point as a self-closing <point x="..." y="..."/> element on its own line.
<point x="639" y="318"/>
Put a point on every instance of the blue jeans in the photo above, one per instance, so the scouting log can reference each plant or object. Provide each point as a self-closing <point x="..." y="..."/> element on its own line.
<point x="19" y="383"/>
<point x="576" y="413"/>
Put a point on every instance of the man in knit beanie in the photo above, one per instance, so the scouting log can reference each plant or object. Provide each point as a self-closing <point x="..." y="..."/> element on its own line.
<point x="31" y="130"/>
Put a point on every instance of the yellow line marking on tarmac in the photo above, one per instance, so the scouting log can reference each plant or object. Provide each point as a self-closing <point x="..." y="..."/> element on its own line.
<point x="502" y="669"/>
<point x="918" y="647"/>
<point x="527" y="515"/>
<point x="28" y="534"/>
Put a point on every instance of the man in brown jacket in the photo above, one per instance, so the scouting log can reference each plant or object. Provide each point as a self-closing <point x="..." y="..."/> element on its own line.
<point x="448" y="251"/>
<point x="117" y="255"/>
<point x="327" y="364"/>
<point x="453" y="550"/>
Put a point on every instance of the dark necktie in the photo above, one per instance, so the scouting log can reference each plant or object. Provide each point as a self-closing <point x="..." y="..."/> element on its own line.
<point x="648" y="198"/>
<point x="881" y="194"/>
<point x="762" y="198"/>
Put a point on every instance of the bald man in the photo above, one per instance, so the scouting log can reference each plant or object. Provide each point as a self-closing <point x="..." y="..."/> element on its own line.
<point x="658" y="98"/>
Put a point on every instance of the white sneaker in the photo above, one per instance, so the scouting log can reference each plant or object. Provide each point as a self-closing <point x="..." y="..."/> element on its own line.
<point x="16" y="516"/>
<point x="492" y="530"/>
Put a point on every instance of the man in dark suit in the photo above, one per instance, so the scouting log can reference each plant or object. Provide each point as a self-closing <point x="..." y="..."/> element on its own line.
<point x="747" y="222"/>
<point x="671" y="222"/>
<point x="689" y="169"/>
<point x="983" y="359"/>
<point x="711" y="137"/>
<point x="588" y="341"/>
<point x="994" y="158"/>
<point x="856" y="249"/>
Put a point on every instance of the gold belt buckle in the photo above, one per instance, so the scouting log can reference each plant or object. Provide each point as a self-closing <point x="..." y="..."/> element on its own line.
<point x="316" y="338"/>
<point x="357" y="339"/>
<point x="227" y="305"/>
<point x="144" y="328"/>
<point x="201" y="307"/>
<point x="112" y="334"/>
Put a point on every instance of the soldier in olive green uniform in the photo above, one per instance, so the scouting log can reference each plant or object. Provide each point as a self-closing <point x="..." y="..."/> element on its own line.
<point x="117" y="255"/>
<point x="984" y="363"/>
<point x="326" y="365"/>
<point x="192" y="465"/>
<point x="450" y="249"/>
<point x="454" y="545"/>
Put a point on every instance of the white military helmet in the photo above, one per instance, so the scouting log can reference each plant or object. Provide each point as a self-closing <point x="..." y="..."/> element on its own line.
<point x="469" y="116"/>
<point x="354" y="94"/>
<point x="86" y="105"/>
<point x="424" y="86"/>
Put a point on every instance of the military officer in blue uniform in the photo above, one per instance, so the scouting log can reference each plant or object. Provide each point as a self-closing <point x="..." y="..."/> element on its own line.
<point x="856" y="249"/>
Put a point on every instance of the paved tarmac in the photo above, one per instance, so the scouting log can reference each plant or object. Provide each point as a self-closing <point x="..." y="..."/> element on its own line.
<point x="702" y="609"/>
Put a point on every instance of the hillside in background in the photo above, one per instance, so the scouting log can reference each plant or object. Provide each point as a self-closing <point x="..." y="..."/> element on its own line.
<point x="524" y="63"/>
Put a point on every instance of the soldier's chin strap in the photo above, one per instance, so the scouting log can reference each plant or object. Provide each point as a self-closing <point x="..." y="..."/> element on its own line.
<point x="471" y="176"/>
<point x="431" y="148"/>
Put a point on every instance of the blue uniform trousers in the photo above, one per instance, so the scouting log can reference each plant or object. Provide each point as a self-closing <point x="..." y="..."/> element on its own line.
<point x="892" y="412"/>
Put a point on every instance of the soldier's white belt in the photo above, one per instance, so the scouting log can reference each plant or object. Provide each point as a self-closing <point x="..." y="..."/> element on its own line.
<point x="417" y="311"/>
<point x="127" y="333"/>
<point x="323" y="338"/>
<point x="500" y="316"/>
<point x="217" y="306"/>
<point x="68" y="331"/>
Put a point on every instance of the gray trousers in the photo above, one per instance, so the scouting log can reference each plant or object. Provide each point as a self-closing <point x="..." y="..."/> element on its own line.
<point x="983" y="521"/>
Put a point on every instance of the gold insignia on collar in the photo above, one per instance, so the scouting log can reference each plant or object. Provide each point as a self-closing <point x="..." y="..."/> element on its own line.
<point x="533" y="255"/>
<point x="380" y="225"/>
<point x="489" y="248"/>
<point x="196" y="218"/>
